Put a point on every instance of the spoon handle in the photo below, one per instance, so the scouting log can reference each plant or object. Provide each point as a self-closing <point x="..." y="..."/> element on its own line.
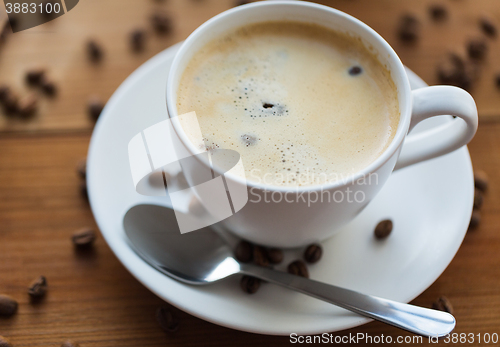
<point x="418" y="320"/>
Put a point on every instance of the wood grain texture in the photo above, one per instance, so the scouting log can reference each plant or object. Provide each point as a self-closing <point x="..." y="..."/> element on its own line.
<point x="92" y="298"/>
<point x="60" y="46"/>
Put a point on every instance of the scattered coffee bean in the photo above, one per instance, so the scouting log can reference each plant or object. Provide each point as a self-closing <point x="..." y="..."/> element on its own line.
<point x="438" y="12"/>
<point x="167" y="319"/>
<point x="81" y="168"/>
<point x="443" y="304"/>
<point x="4" y="92"/>
<point x="313" y="253"/>
<point x="250" y="284"/>
<point x="138" y="40"/>
<point x="355" y="70"/>
<point x="94" y="51"/>
<point x="38" y="288"/>
<point x="95" y="107"/>
<point x="260" y="256"/>
<point x="477" y="48"/>
<point x="244" y="252"/>
<point x="457" y="71"/>
<point x="4" y="342"/>
<point x="83" y="190"/>
<point x="488" y="27"/>
<point x="83" y="238"/>
<point x="28" y="106"/>
<point x="249" y="140"/>
<point x="481" y="180"/>
<point x="383" y="229"/>
<point x="70" y="344"/>
<point x="478" y="199"/>
<point x="161" y="23"/>
<point x="35" y="76"/>
<point x="10" y="103"/>
<point x="497" y="80"/>
<point x="409" y="28"/>
<point x="475" y="220"/>
<point x="298" y="268"/>
<point x="8" y="306"/>
<point x="275" y="255"/>
<point x="49" y="87"/>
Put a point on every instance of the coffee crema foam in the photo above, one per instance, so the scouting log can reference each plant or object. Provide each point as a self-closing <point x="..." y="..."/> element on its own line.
<point x="301" y="103"/>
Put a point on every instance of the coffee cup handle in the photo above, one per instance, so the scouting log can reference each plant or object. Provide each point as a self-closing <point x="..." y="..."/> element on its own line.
<point x="435" y="101"/>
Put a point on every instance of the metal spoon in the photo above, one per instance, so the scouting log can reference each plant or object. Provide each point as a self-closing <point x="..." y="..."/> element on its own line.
<point x="203" y="256"/>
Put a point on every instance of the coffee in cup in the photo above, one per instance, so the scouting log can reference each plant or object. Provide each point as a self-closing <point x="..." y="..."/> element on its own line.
<point x="301" y="103"/>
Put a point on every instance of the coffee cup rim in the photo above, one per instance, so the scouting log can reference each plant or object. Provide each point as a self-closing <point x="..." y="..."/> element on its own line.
<point x="396" y="68"/>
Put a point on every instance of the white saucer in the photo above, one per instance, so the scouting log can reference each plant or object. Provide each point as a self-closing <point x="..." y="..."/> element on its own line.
<point x="430" y="205"/>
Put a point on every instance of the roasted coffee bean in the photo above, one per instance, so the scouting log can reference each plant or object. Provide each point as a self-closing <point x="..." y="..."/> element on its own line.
<point x="70" y="344"/>
<point x="355" y="70"/>
<point x="49" y="87"/>
<point x="35" y="76"/>
<point x="4" y="92"/>
<point x="456" y="70"/>
<point x="383" y="229"/>
<point x="409" y="28"/>
<point x="8" y="306"/>
<point x="298" y="268"/>
<point x="244" y="252"/>
<point x="161" y="23"/>
<point x="475" y="220"/>
<point x="84" y="238"/>
<point x="488" y="27"/>
<point x="94" y="51"/>
<point x="38" y="288"/>
<point x="478" y="199"/>
<point x="81" y="168"/>
<point x="95" y="107"/>
<point x="275" y="255"/>
<point x="438" y="12"/>
<point x="250" y="284"/>
<point x="28" y="106"/>
<point x="167" y="319"/>
<point x="4" y="342"/>
<point x="260" y="256"/>
<point x="10" y="103"/>
<point x="313" y="253"/>
<point x="481" y="180"/>
<point x="138" y="40"/>
<point x="443" y="304"/>
<point x="83" y="190"/>
<point x="477" y="48"/>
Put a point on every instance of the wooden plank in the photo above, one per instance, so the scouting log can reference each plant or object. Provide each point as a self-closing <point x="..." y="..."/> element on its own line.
<point x="59" y="45"/>
<point x="94" y="300"/>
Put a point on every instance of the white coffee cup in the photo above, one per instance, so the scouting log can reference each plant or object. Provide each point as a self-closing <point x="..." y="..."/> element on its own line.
<point x="296" y="219"/>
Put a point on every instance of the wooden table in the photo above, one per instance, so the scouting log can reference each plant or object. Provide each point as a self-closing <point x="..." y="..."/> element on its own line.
<point x="92" y="298"/>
